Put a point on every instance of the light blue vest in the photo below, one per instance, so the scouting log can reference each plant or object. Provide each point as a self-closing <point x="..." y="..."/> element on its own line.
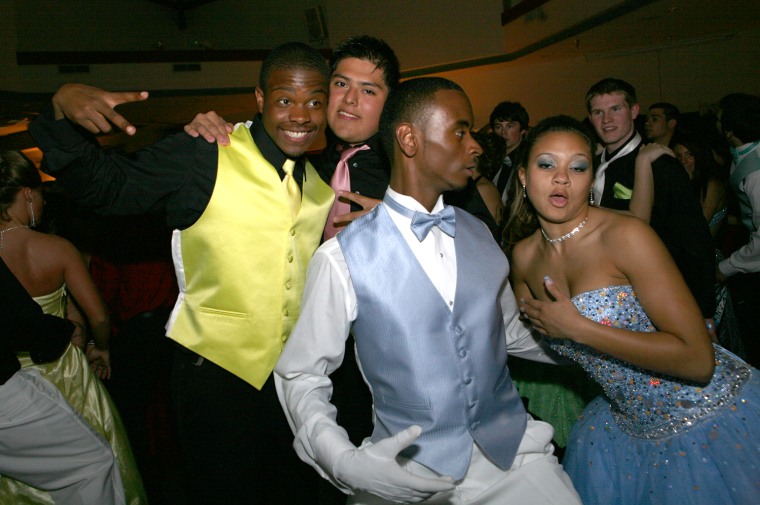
<point x="749" y="164"/>
<point x="426" y="365"/>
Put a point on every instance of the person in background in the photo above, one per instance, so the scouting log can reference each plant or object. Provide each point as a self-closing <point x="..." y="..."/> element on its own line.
<point x="53" y="273"/>
<point x="675" y="213"/>
<point x="662" y="123"/>
<point x="711" y="187"/>
<point x="509" y="120"/>
<point x="740" y="123"/>
<point x="44" y="442"/>
<point x="481" y="198"/>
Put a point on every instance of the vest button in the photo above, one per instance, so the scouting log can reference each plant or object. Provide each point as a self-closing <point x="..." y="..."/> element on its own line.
<point x="290" y="258"/>
<point x="462" y="353"/>
<point x="285" y="312"/>
<point x="458" y="329"/>
<point x="288" y="285"/>
<point x="468" y="381"/>
<point x="292" y="232"/>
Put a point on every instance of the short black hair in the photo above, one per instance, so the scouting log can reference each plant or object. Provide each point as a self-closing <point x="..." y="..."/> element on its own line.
<point x="510" y="111"/>
<point x="372" y="49"/>
<point x="609" y="86"/>
<point x="668" y="109"/>
<point x="292" y="56"/>
<point x="407" y="103"/>
<point x="740" y="115"/>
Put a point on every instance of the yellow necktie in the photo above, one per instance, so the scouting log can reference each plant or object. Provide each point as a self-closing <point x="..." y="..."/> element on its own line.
<point x="291" y="188"/>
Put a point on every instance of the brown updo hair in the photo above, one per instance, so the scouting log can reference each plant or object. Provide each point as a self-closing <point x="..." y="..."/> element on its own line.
<point x="16" y="172"/>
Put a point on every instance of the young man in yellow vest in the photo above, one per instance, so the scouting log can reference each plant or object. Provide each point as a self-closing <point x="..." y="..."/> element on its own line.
<point x="247" y="219"/>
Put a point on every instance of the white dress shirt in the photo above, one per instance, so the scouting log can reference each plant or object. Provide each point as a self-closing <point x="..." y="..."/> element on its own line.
<point x="316" y="346"/>
<point x="747" y="258"/>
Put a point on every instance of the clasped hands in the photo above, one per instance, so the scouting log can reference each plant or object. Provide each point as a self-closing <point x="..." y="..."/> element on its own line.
<point x="374" y="469"/>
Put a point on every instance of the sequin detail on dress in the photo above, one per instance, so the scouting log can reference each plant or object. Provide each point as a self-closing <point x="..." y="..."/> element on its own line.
<point x="651" y="439"/>
<point x="645" y="404"/>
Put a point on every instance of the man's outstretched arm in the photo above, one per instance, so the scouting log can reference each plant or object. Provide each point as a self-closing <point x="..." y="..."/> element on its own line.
<point x="315" y="349"/>
<point x="94" y="108"/>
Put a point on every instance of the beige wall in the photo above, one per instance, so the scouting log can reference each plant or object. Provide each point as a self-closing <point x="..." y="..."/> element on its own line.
<point x="423" y="33"/>
<point x="689" y="77"/>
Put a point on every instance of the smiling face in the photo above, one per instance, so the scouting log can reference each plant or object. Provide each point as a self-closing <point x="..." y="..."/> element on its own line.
<point x="612" y="118"/>
<point x="292" y="108"/>
<point x="558" y="176"/>
<point x="357" y="95"/>
<point x="447" y="153"/>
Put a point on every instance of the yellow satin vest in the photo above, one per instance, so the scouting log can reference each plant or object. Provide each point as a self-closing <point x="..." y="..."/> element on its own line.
<point x="244" y="262"/>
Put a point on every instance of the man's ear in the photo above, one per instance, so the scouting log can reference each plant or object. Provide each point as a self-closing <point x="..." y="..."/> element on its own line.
<point x="672" y="123"/>
<point x="634" y="111"/>
<point x="406" y="139"/>
<point x="260" y="98"/>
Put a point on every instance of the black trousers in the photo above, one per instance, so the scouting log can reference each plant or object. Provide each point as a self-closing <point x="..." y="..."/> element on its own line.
<point x="745" y="295"/>
<point x="235" y="440"/>
<point x="141" y="359"/>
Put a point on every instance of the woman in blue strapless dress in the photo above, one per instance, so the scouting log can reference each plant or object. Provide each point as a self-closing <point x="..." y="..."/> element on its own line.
<point x="679" y="418"/>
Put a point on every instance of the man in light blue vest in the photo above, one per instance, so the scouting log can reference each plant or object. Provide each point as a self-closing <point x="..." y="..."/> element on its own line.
<point x="740" y="123"/>
<point x="424" y="288"/>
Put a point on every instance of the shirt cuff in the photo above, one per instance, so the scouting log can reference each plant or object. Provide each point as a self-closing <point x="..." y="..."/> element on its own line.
<point x="60" y="140"/>
<point x="726" y="268"/>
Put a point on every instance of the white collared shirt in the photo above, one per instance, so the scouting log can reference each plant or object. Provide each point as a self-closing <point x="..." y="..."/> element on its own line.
<point x="316" y="346"/>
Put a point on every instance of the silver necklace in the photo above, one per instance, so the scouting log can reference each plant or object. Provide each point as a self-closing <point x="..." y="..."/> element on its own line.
<point x="2" y="232"/>
<point x="566" y="236"/>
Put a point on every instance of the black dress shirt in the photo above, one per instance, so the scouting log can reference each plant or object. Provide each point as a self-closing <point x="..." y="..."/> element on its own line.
<point x="174" y="177"/>
<point x="676" y="218"/>
<point x="369" y="170"/>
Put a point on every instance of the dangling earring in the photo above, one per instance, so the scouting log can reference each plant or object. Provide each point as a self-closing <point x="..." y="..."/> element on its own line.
<point x="525" y="194"/>
<point x="32" y="221"/>
<point x="591" y="197"/>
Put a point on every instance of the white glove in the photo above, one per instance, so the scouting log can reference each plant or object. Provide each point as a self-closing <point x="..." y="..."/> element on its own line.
<point x="374" y="469"/>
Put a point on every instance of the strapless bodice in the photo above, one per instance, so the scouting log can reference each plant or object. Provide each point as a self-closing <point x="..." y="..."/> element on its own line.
<point x="53" y="303"/>
<point x="644" y="403"/>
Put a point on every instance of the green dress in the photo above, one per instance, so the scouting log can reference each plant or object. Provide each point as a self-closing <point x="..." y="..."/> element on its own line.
<point x="556" y="394"/>
<point x="71" y="374"/>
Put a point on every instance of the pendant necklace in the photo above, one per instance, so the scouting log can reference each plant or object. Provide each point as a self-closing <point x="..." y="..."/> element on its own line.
<point x="2" y="232"/>
<point x="566" y="236"/>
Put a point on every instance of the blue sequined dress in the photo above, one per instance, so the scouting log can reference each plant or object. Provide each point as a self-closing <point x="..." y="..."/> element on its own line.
<point x="654" y="439"/>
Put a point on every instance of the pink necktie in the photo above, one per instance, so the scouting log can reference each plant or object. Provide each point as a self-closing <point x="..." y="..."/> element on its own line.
<point x="340" y="181"/>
